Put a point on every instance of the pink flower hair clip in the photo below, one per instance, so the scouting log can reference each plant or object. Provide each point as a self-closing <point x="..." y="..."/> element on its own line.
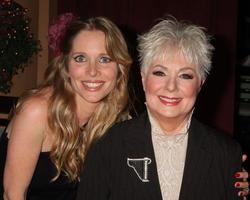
<point x="57" y="30"/>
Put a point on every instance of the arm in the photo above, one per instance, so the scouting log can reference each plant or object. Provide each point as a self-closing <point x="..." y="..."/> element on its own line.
<point x="25" y="143"/>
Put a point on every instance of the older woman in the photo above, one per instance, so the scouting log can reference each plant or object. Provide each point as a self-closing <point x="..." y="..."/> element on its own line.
<point x="165" y="153"/>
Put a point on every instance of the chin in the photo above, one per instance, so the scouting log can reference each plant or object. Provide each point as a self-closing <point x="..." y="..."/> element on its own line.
<point x="168" y="114"/>
<point x="94" y="101"/>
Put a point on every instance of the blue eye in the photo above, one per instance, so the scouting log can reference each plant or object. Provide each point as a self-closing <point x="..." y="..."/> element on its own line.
<point x="105" y="59"/>
<point x="80" y="58"/>
<point x="186" y="76"/>
<point x="158" y="73"/>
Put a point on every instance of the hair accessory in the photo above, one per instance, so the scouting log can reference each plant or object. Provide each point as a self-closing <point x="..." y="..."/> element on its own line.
<point x="57" y="30"/>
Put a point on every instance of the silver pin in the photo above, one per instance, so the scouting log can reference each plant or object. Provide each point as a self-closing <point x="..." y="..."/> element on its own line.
<point x="140" y="166"/>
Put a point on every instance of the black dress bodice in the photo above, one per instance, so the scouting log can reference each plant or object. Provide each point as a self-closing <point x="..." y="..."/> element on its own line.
<point x="41" y="187"/>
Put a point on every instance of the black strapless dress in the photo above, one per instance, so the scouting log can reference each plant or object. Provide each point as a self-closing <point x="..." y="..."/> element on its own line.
<point x="41" y="187"/>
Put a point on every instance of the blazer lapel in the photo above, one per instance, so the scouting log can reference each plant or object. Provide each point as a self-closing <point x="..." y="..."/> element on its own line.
<point x="138" y="144"/>
<point x="198" y="161"/>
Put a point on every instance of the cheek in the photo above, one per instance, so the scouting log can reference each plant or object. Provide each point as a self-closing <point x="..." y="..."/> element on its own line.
<point x="152" y="85"/>
<point x="75" y="72"/>
<point x="111" y="74"/>
<point x="191" y="91"/>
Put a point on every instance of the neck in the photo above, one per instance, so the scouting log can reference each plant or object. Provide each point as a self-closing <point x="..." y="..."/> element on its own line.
<point x="84" y="110"/>
<point x="172" y="126"/>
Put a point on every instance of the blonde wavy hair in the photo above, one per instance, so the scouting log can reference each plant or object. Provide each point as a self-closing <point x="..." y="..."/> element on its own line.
<point x="72" y="141"/>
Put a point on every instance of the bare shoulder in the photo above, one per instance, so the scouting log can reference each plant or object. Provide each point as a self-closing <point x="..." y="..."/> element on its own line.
<point x="37" y="104"/>
<point x="34" y="107"/>
<point x="32" y="116"/>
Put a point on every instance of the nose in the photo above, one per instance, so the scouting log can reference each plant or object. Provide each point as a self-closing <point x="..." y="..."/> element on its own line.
<point x="171" y="84"/>
<point x="93" y="69"/>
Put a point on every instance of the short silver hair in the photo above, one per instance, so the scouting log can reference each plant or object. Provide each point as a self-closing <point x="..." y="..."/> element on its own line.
<point x="171" y="36"/>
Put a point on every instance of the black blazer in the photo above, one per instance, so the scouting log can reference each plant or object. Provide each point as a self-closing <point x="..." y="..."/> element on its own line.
<point x="211" y="161"/>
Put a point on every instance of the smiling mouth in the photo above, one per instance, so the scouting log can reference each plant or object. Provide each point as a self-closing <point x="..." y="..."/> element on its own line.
<point x="92" y="86"/>
<point x="168" y="100"/>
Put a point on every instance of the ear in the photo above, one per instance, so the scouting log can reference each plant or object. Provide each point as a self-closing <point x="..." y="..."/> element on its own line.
<point x="143" y="79"/>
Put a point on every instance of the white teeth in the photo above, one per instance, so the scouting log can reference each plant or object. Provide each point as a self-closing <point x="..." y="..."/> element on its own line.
<point x="169" y="100"/>
<point x="92" y="85"/>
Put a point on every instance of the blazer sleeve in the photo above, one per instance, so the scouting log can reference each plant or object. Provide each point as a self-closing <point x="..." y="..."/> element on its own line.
<point x="93" y="180"/>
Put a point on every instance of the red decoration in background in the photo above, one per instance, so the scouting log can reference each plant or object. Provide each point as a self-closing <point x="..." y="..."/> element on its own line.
<point x="57" y="30"/>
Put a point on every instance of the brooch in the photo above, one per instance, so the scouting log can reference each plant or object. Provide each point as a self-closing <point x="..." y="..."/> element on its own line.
<point x="140" y="166"/>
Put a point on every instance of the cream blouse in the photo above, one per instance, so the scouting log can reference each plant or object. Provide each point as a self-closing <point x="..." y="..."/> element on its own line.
<point x="170" y="154"/>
